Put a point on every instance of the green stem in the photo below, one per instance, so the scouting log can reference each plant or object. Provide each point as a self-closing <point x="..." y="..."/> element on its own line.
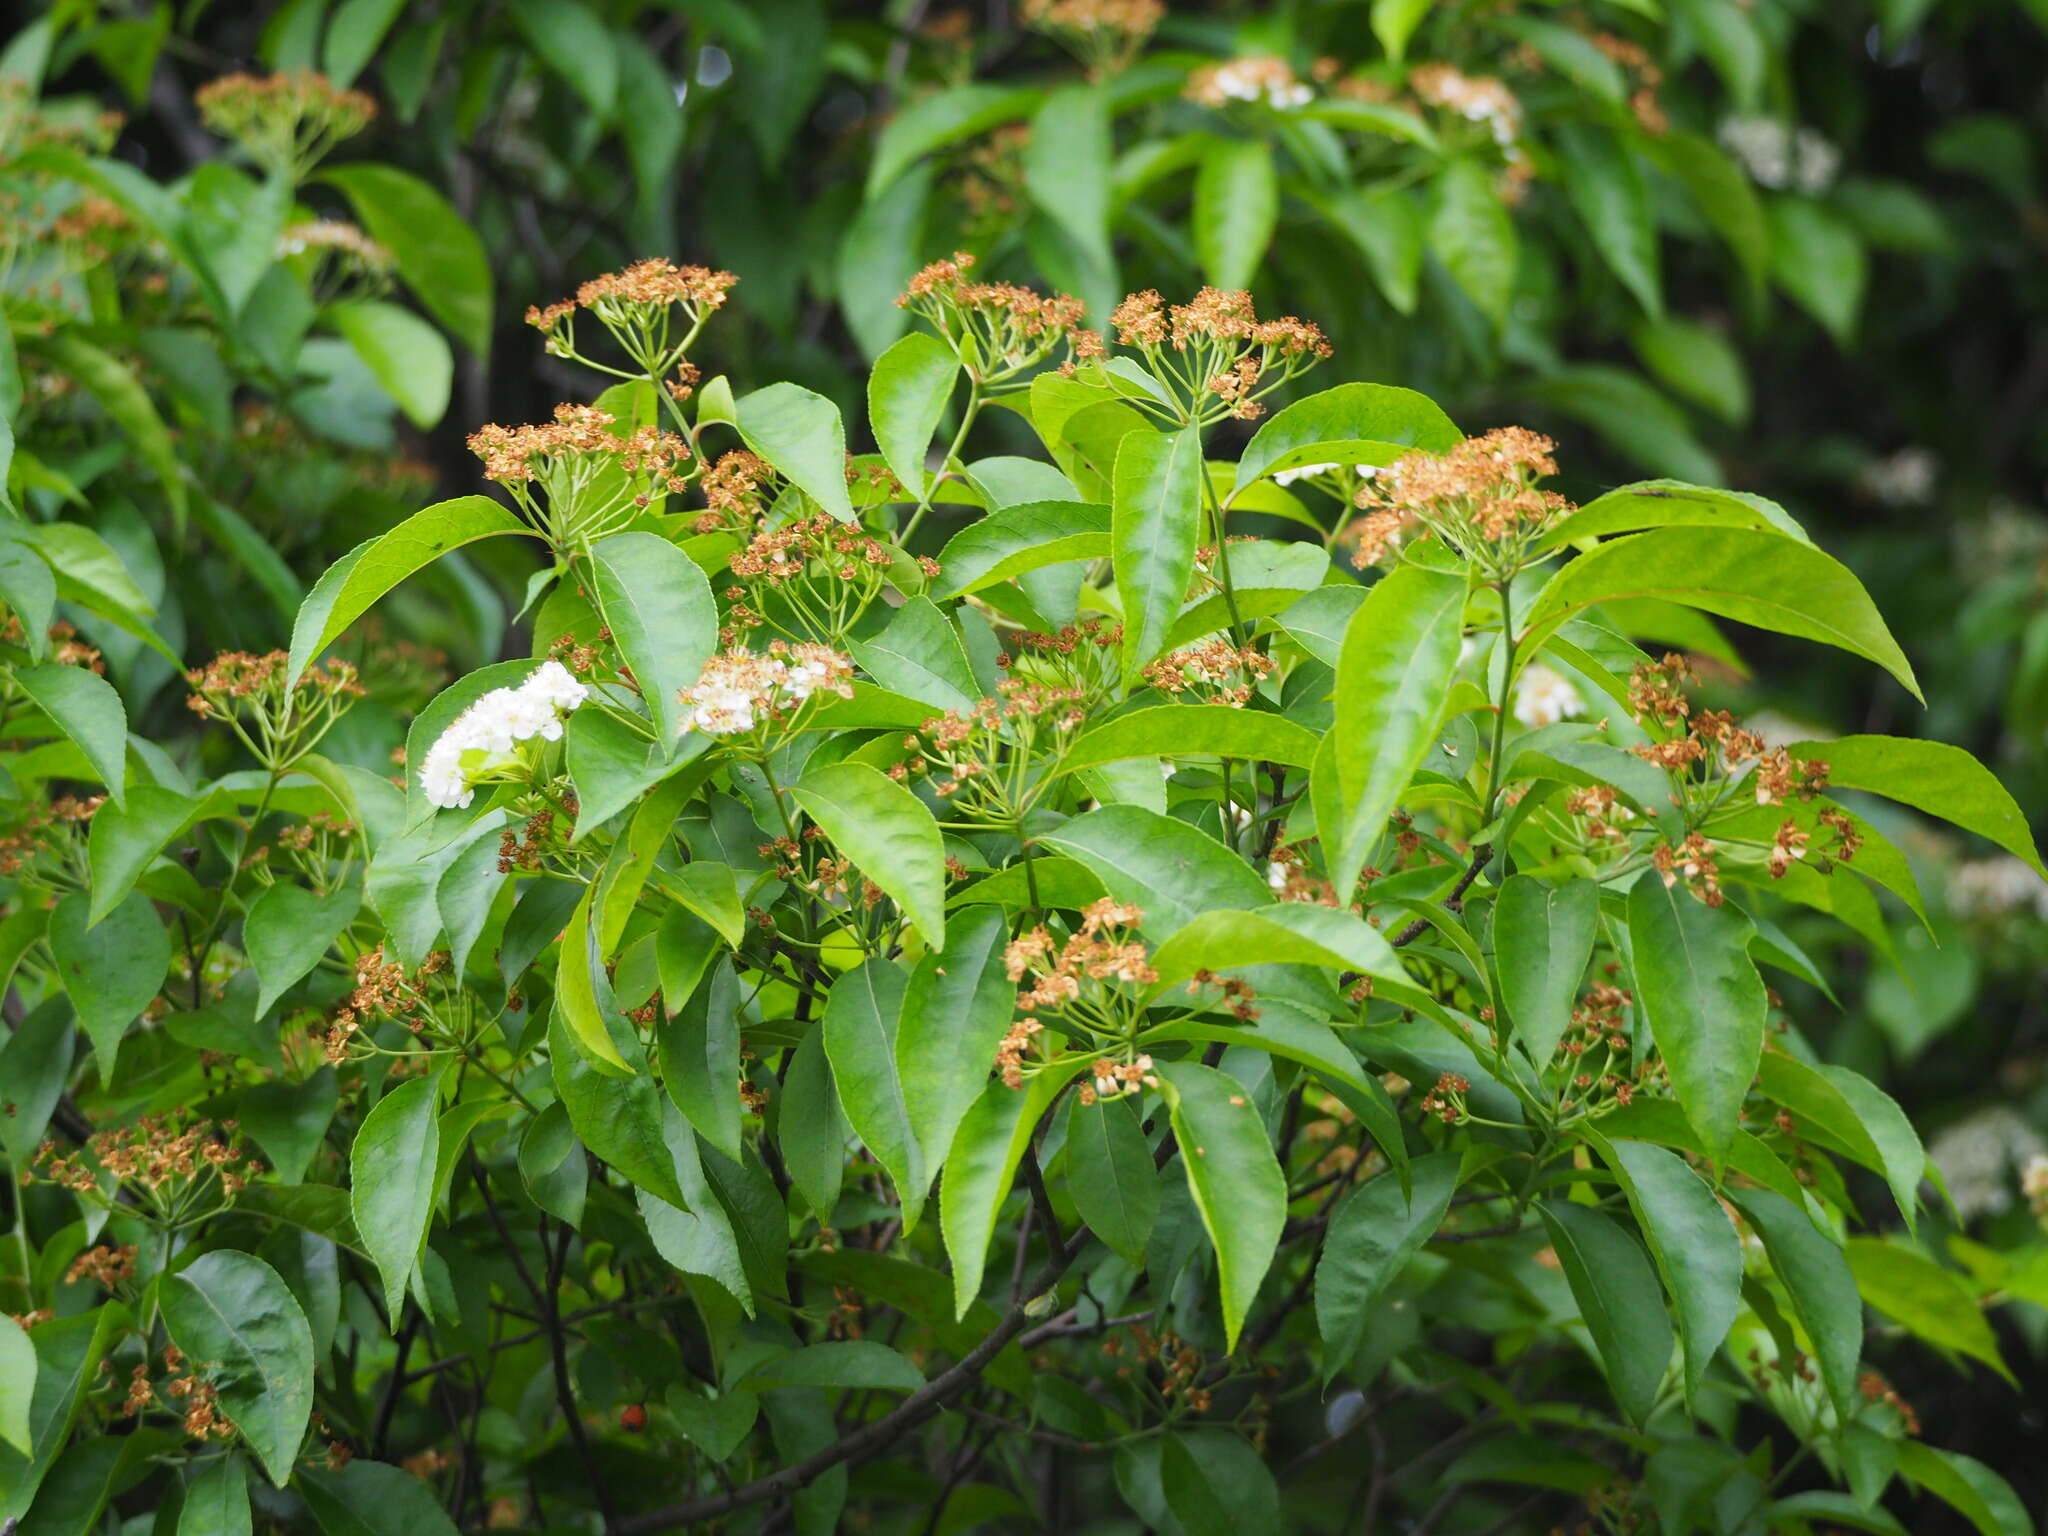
<point x="931" y="489"/>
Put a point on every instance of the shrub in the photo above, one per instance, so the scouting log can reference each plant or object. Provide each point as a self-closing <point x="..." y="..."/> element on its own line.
<point x="1225" y="949"/>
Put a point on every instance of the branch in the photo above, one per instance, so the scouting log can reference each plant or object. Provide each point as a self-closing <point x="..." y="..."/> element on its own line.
<point x="1481" y="857"/>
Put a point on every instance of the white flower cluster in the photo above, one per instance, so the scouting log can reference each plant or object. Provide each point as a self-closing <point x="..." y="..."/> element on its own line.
<point x="738" y="688"/>
<point x="1544" y="697"/>
<point x="1476" y="98"/>
<point x="1979" y="1154"/>
<point x="1775" y="156"/>
<point x="1903" y="479"/>
<point x="1260" y="80"/>
<point x="492" y="727"/>
<point x="1993" y="887"/>
<point x="1303" y="471"/>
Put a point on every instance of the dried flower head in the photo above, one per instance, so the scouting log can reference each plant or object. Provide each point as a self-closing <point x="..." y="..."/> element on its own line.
<point x="593" y="479"/>
<point x="999" y="330"/>
<point x="1104" y="34"/>
<point x="286" y="122"/>
<point x="1480" y="496"/>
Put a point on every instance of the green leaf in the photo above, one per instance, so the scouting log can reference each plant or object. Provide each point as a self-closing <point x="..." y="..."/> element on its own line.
<point x="111" y="970"/>
<point x="1749" y="575"/>
<point x="1067" y="168"/>
<point x="1822" y="1288"/>
<point x="1380" y="1226"/>
<point x="1850" y="1115"/>
<point x="1818" y="260"/>
<point x="844" y="1363"/>
<point x="1697" y="362"/>
<point x="1284" y="933"/>
<point x="1155" y="524"/>
<point x="1695" y="1245"/>
<point x="577" y="1007"/>
<point x="980" y="1166"/>
<point x="956" y="1010"/>
<point x="1542" y="937"/>
<point x="1237" y="203"/>
<point x="407" y="355"/>
<point x="26" y="582"/>
<point x="1385" y="224"/>
<point x="241" y="1327"/>
<point x="944" y="117"/>
<point x="1611" y="198"/>
<point x="1471" y="233"/>
<point x="125" y="840"/>
<point x="1373" y="423"/>
<point x="354" y="583"/>
<point x="1236" y="1181"/>
<point x="35" y="1064"/>
<point x="217" y="1501"/>
<point x="1933" y="1303"/>
<point x="1573" y="55"/>
<point x="1732" y="43"/>
<point x="84" y="706"/>
<point x="920" y="656"/>
<point x="354" y="33"/>
<point x="800" y="433"/>
<point x="17" y="1385"/>
<point x="573" y="42"/>
<point x="623" y="1120"/>
<point x="391" y="1177"/>
<point x="1172" y="869"/>
<point x="717" y="1427"/>
<point x="1930" y="776"/>
<point x="907" y="394"/>
<point x="373" y="1498"/>
<point x="1701" y="995"/>
<point x="1217" y="1484"/>
<point x="1395" y="21"/>
<point x="289" y="1120"/>
<point x="1021" y="538"/>
<point x="1969" y="1487"/>
<point x="811" y="1128"/>
<point x="888" y="834"/>
<point x="1193" y="730"/>
<point x="288" y="929"/>
<point x="1669" y="503"/>
<point x="1618" y="1297"/>
<point x="659" y="608"/>
<point x="1393" y="675"/>
<point x="699" y="1044"/>
<point x="231" y="224"/>
<point x="1721" y="192"/>
<point x="1629" y="413"/>
<point x="436" y="251"/>
<point x="1110" y="1175"/>
<point x="863" y="1015"/>
<point x="882" y="246"/>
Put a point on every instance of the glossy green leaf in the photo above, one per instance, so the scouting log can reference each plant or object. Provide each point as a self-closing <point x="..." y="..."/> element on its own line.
<point x="1613" y="201"/>
<point x="907" y="394"/>
<point x="1379" y="1227"/>
<point x="1193" y="730"/>
<point x="1668" y="503"/>
<point x="863" y="1016"/>
<point x="800" y="433"/>
<point x="1393" y="673"/>
<point x="1471" y="233"/>
<point x="237" y="1321"/>
<point x="217" y="1501"/>
<point x="956" y="1010"/>
<point x="1693" y="1242"/>
<point x="944" y="117"/>
<point x="1110" y="1175"/>
<point x="1155" y="524"/>
<point x="17" y="1385"/>
<point x="1821" y="1285"/>
<point x="120" y="394"/>
<point x="1849" y="1114"/>
<point x="811" y="1128"/>
<point x="1932" y="1302"/>
<point x="1067" y="168"/>
<point x="1930" y="776"/>
<point x="1817" y="259"/>
<point x="844" y="1363"/>
<point x="405" y="353"/>
<point x="659" y="608"/>
<point x="577" y="1005"/>
<point x="1236" y="1182"/>
<point x="436" y="251"/>
<point x="980" y="1166"/>
<point x="1384" y="223"/>
<point x="888" y="834"/>
<point x="84" y="707"/>
<point x="1969" y="1487"/>
<point x="1704" y="1001"/>
<point x="112" y="970"/>
<point x="1376" y="423"/>
<point x="1394" y="22"/>
<point x="920" y="656"/>
<point x="1218" y="1484"/>
<point x="1237" y="203"/>
<point x="391" y="1179"/>
<point x="289" y="1120"/>
<point x="699" y="1043"/>
<point x="1284" y="933"/>
<point x="288" y="929"/>
<point x="552" y="1166"/>
<point x="354" y="583"/>
<point x="1016" y="539"/>
<point x="572" y="41"/>
<point x="622" y="1120"/>
<point x="1751" y="576"/>
<point x="1173" y="870"/>
<point x="125" y="840"/>
<point x="372" y="1498"/>
<point x="1616" y="1290"/>
<point x="1542" y="937"/>
<point x="1697" y="363"/>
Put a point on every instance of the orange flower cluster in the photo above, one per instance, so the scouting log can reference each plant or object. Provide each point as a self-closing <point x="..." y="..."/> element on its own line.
<point x="1058" y="975"/>
<point x="577" y="435"/>
<point x="151" y="1154"/>
<point x="631" y="296"/>
<point x="976" y="749"/>
<point x="731" y="490"/>
<point x="1480" y="496"/>
<point x="1145" y="320"/>
<point x="999" y="329"/>
<point x="1447" y="1099"/>
<point x="1213" y="670"/>
<point x="382" y="991"/>
<point x="235" y="678"/>
<point x="66" y="649"/>
<point x="286" y="120"/>
<point x="108" y="1268"/>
